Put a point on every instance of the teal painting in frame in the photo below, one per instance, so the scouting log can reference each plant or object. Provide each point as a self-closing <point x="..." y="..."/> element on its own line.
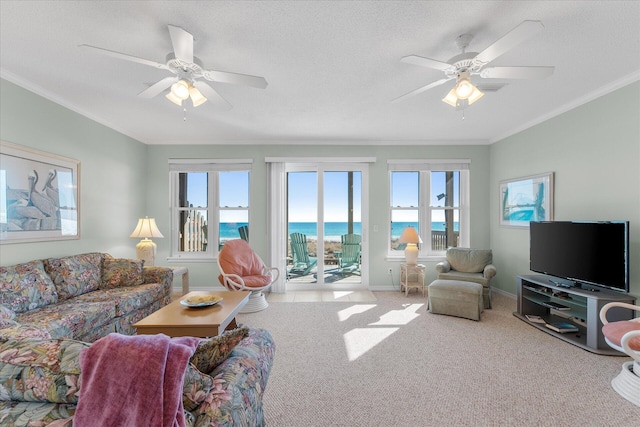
<point x="526" y="199"/>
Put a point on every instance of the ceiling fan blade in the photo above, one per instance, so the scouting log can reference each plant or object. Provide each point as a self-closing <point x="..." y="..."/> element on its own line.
<point x="421" y="89"/>
<point x="158" y="87"/>
<point x="126" y="57"/>
<point x="532" y="73"/>
<point x="519" y="34"/>
<point x="427" y="62"/>
<point x="182" y="42"/>
<point x="235" y="78"/>
<point x="211" y="95"/>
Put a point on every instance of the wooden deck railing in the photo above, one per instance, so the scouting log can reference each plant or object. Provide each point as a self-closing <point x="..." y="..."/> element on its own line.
<point x="194" y="232"/>
<point x="439" y="240"/>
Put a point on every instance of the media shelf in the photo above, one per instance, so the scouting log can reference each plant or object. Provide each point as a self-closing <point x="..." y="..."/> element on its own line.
<point x="537" y="293"/>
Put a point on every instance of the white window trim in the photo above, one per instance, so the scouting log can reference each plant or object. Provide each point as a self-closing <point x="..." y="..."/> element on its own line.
<point x="424" y="213"/>
<point x="212" y="167"/>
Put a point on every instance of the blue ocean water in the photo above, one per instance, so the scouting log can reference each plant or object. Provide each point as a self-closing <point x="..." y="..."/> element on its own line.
<point x="332" y="230"/>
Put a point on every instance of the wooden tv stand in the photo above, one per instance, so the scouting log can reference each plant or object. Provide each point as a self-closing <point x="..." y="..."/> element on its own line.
<point x="535" y="291"/>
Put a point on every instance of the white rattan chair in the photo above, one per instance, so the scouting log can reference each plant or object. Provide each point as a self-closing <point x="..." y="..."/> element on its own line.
<point x="624" y="336"/>
<point x="241" y="269"/>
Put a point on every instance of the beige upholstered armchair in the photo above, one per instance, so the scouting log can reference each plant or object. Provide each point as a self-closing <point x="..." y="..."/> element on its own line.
<point x="469" y="265"/>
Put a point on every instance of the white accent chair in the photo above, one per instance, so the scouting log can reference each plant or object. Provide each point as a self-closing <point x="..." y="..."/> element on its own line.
<point x="241" y="269"/>
<point x="624" y="336"/>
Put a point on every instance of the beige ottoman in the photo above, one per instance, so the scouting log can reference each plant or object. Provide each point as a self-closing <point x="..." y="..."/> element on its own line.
<point x="456" y="298"/>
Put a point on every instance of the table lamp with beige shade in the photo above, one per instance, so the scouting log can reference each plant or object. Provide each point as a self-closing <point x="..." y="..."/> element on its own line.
<point x="411" y="237"/>
<point x="146" y="249"/>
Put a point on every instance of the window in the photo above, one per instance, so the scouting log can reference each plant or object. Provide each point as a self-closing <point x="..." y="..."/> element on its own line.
<point x="209" y="204"/>
<point x="431" y="196"/>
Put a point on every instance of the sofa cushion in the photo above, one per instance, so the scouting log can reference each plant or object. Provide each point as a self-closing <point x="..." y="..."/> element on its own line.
<point x="24" y="332"/>
<point x="469" y="260"/>
<point x="119" y="272"/>
<point x="126" y="299"/>
<point x="69" y="319"/>
<point x="75" y="275"/>
<point x="26" y="286"/>
<point x="40" y="371"/>
<point x="213" y="351"/>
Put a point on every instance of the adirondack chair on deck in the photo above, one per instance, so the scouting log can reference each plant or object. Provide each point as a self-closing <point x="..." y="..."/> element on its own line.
<point x="302" y="262"/>
<point x="349" y="259"/>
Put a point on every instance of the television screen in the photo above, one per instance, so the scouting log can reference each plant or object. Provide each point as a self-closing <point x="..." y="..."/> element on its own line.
<point x="595" y="253"/>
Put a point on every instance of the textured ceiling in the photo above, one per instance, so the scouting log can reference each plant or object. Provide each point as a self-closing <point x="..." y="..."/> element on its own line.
<point x="333" y="67"/>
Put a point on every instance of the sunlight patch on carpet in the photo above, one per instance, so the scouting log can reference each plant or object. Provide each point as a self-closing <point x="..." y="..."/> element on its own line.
<point x="361" y="340"/>
<point x="399" y="317"/>
<point x="354" y="309"/>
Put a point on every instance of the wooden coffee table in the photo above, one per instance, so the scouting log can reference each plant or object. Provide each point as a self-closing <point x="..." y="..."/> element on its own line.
<point x="176" y="320"/>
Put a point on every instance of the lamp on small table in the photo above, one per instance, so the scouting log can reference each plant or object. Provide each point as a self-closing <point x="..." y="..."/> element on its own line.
<point x="411" y="237"/>
<point x="146" y="249"/>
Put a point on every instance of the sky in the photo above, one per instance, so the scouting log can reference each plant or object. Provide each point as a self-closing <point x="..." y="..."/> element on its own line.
<point x="303" y="203"/>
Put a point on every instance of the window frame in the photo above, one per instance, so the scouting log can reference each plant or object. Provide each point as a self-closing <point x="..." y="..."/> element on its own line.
<point x="425" y="210"/>
<point x="212" y="167"/>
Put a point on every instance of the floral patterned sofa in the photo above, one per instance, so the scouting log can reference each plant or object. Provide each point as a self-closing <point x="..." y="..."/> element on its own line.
<point x="41" y="380"/>
<point x="82" y="297"/>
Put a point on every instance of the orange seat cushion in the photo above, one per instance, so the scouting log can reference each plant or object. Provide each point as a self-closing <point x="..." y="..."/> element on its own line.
<point x="237" y="257"/>
<point x="614" y="332"/>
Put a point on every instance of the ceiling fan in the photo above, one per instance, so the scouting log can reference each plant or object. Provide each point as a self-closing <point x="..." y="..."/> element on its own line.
<point x="187" y="70"/>
<point x="461" y="67"/>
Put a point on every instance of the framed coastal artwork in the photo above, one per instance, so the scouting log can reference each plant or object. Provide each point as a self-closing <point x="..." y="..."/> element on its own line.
<point x="39" y="195"/>
<point x="526" y="199"/>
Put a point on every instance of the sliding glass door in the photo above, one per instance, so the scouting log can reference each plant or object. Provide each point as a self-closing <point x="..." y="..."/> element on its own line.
<point x="325" y="223"/>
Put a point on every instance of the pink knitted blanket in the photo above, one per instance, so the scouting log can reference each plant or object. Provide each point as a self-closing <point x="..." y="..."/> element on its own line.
<point x="133" y="381"/>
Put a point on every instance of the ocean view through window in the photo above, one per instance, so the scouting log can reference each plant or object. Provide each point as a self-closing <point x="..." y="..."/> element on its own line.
<point x="333" y="230"/>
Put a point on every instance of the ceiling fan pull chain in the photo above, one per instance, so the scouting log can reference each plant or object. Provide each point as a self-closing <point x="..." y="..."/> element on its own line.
<point x="184" y="117"/>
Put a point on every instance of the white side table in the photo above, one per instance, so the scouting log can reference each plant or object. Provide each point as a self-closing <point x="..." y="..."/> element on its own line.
<point x="184" y="273"/>
<point x="412" y="276"/>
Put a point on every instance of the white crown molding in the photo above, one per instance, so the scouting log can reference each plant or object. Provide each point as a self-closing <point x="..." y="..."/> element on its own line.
<point x="604" y="90"/>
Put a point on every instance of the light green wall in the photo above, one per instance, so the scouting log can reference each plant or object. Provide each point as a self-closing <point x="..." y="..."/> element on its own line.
<point x="112" y="173"/>
<point x="204" y="274"/>
<point x="594" y="152"/>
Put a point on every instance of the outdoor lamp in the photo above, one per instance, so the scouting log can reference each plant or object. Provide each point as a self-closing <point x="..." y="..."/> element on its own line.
<point x="411" y="237"/>
<point x="146" y="249"/>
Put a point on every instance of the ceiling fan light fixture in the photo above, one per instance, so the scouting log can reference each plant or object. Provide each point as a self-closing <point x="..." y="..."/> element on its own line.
<point x="451" y="98"/>
<point x="197" y="98"/>
<point x="173" y="98"/>
<point x="464" y="93"/>
<point x="475" y="95"/>
<point x="180" y="89"/>
<point x="464" y="89"/>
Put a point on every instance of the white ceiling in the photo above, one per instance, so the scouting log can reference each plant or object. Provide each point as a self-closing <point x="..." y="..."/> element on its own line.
<point x="333" y="67"/>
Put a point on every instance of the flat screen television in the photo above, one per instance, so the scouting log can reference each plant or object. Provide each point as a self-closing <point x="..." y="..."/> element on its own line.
<point x="582" y="252"/>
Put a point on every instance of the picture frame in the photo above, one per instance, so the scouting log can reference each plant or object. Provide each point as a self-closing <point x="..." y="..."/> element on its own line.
<point x="526" y="199"/>
<point x="39" y="195"/>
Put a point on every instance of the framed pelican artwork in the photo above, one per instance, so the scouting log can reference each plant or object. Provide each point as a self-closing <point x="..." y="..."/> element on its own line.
<point x="39" y="195"/>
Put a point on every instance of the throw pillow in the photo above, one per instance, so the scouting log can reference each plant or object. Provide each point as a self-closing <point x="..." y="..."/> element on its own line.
<point x="75" y="275"/>
<point x="119" y="272"/>
<point x="213" y="351"/>
<point x="24" y="287"/>
<point x="196" y="387"/>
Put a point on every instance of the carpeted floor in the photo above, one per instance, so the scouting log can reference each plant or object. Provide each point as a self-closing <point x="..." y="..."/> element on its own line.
<point x="391" y="363"/>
